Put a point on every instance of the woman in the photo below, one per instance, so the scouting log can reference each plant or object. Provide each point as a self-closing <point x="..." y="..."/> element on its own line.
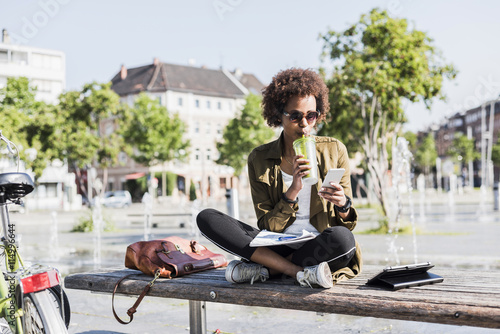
<point x="296" y="100"/>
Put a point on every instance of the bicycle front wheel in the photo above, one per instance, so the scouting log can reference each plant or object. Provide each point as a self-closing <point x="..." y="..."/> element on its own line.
<point x="42" y="313"/>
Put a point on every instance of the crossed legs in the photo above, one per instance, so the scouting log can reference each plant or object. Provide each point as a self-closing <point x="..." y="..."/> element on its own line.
<point x="335" y="245"/>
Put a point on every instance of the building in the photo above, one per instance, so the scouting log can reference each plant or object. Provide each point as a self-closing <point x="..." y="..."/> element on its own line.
<point x="481" y="123"/>
<point x="205" y="99"/>
<point x="46" y="69"/>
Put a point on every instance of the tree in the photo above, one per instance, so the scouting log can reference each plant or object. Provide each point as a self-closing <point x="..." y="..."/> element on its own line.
<point x="28" y="123"/>
<point x="153" y="134"/>
<point x="495" y="156"/>
<point x="81" y="141"/>
<point x="192" y="191"/>
<point x="377" y="63"/>
<point x="243" y="133"/>
<point x="426" y="154"/>
<point x="463" y="149"/>
<point x="412" y="138"/>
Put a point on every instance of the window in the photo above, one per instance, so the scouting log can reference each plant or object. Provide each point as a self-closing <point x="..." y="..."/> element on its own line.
<point x="109" y="129"/>
<point x="4" y="56"/>
<point x="208" y="104"/>
<point x="219" y="105"/>
<point x="57" y="87"/>
<point x="56" y="63"/>
<point x="209" y="154"/>
<point x="44" y="86"/>
<point x="207" y="128"/>
<point x="197" y="103"/>
<point x="122" y="158"/>
<point x="46" y="61"/>
<point x="19" y="57"/>
<point x="51" y="189"/>
<point x="179" y="101"/>
<point x="197" y="154"/>
<point x="196" y="127"/>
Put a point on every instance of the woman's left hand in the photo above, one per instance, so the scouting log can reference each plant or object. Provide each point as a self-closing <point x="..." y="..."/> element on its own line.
<point x="334" y="194"/>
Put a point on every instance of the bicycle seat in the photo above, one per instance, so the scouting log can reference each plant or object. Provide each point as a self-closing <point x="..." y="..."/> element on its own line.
<point x="16" y="185"/>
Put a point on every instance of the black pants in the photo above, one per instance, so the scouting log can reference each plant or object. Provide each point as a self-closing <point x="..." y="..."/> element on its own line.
<point x="334" y="245"/>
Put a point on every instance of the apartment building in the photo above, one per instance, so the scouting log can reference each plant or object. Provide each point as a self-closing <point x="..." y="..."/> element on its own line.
<point x="205" y="99"/>
<point x="481" y="123"/>
<point x="46" y="69"/>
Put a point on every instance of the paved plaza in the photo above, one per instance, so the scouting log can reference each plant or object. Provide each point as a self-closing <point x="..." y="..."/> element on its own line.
<point x="452" y="232"/>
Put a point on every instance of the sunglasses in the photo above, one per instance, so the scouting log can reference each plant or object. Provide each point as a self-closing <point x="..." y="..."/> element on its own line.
<point x="297" y="116"/>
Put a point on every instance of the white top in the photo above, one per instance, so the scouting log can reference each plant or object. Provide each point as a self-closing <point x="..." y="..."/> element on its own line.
<point x="303" y="214"/>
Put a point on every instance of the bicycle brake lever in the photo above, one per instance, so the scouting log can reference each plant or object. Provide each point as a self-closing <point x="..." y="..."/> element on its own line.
<point x="8" y="142"/>
<point x="10" y="148"/>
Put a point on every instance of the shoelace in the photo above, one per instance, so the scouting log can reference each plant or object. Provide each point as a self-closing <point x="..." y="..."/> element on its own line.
<point x="308" y="274"/>
<point x="250" y="271"/>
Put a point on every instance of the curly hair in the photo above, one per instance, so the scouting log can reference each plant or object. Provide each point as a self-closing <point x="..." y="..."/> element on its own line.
<point x="289" y="83"/>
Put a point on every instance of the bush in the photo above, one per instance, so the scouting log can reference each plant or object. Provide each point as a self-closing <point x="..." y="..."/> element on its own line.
<point x="86" y="224"/>
<point x="192" y="191"/>
<point x="383" y="228"/>
<point x="171" y="181"/>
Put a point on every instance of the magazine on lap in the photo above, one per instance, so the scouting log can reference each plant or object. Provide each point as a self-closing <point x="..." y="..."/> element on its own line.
<point x="268" y="238"/>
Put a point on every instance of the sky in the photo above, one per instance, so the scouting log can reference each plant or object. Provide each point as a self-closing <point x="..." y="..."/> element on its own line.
<point x="259" y="36"/>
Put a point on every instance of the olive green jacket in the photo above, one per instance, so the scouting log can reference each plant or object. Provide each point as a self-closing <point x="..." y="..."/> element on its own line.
<point x="267" y="187"/>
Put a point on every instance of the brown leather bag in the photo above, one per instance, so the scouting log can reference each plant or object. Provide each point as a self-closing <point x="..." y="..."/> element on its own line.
<point x="169" y="257"/>
<point x="173" y="256"/>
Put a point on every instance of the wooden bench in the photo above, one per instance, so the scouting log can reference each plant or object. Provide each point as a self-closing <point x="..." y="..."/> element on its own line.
<point x="470" y="298"/>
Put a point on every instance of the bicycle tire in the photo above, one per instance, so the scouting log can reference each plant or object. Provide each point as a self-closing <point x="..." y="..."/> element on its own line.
<point x="42" y="314"/>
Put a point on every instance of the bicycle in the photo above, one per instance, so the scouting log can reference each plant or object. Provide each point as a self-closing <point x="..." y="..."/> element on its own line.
<point x="31" y="296"/>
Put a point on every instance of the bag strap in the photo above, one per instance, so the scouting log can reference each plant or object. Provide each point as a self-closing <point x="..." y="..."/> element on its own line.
<point x="133" y="309"/>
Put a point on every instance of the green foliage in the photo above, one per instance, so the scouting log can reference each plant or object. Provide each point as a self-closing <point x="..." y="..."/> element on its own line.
<point x="412" y="140"/>
<point x="171" y="181"/>
<point x="28" y="123"/>
<point x="377" y="63"/>
<point x="154" y="134"/>
<point x="192" y="191"/>
<point x="80" y="138"/>
<point x="463" y="149"/>
<point x="86" y="224"/>
<point x="137" y="187"/>
<point x="495" y="153"/>
<point x="243" y="133"/>
<point x="384" y="228"/>
<point x="426" y="153"/>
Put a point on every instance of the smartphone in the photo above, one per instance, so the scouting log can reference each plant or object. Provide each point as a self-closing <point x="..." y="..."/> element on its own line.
<point x="334" y="175"/>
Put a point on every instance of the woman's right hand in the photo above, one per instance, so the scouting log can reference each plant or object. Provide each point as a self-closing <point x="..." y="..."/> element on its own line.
<point x="301" y="168"/>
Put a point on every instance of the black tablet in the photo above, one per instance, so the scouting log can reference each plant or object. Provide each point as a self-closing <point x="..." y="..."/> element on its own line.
<point x="405" y="276"/>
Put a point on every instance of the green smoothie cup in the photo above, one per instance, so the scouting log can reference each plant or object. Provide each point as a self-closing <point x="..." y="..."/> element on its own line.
<point x="306" y="146"/>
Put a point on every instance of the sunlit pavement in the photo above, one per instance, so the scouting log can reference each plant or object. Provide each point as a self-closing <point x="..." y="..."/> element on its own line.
<point x="458" y="232"/>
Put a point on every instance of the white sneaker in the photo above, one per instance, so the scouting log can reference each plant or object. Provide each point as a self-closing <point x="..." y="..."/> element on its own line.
<point x="316" y="275"/>
<point x="242" y="272"/>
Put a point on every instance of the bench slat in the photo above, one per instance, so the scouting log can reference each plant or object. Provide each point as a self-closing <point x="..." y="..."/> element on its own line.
<point x="472" y="303"/>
